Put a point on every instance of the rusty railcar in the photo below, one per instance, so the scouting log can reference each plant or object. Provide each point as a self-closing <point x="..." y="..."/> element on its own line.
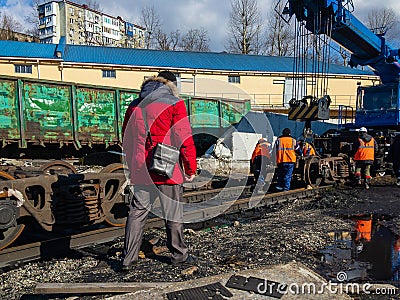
<point x="71" y="119"/>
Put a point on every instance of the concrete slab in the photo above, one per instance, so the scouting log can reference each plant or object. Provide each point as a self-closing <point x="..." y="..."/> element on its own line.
<point x="299" y="278"/>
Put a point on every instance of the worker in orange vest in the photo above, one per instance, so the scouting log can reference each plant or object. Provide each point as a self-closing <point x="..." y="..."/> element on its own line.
<point x="365" y="148"/>
<point x="304" y="148"/>
<point x="285" y="159"/>
<point x="259" y="159"/>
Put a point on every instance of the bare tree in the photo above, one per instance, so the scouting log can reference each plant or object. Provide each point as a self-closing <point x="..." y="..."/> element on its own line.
<point x="93" y="4"/>
<point x="152" y="22"/>
<point x="161" y="39"/>
<point x="279" y="35"/>
<point x="33" y="20"/>
<point x="244" y="27"/>
<point x="196" y="40"/>
<point x="169" y="42"/>
<point x="175" y="38"/>
<point x="384" y="21"/>
<point x="9" y="27"/>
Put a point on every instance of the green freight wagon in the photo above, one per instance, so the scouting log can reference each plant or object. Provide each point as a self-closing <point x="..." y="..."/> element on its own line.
<point x="68" y="118"/>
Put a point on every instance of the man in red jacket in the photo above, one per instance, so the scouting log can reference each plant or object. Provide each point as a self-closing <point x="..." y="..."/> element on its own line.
<point x="169" y="124"/>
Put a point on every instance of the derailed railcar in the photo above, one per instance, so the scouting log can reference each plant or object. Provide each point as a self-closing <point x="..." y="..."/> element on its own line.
<point x="42" y="113"/>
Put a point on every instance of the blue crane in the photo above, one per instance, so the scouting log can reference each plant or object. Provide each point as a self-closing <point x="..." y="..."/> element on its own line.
<point x="377" y="106"/>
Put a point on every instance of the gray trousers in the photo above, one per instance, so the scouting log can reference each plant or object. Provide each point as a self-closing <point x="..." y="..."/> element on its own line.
<point x="172" y="211"/>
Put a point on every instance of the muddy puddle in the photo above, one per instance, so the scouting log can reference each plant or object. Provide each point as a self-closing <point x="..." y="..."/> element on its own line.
<point x="369" y="252"/>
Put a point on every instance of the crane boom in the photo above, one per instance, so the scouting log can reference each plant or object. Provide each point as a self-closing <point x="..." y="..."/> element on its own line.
<point x="333" y="18"/>
<point x="378" y="106"/>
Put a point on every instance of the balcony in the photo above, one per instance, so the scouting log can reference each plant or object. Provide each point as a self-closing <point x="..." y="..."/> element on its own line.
<point x="48" y="35"/>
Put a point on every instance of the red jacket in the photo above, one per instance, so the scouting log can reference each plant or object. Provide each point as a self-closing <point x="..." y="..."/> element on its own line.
<point x="169" y="124"/>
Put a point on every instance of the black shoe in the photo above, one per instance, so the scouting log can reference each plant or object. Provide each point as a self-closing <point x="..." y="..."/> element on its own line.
<point x="190" y="260"/>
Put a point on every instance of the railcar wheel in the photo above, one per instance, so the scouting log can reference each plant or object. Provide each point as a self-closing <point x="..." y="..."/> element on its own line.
<point x="10" y="234"/>
<point x="312" y="174"/>
<point x="58" y="167"/>
<point x="117" y="215"/>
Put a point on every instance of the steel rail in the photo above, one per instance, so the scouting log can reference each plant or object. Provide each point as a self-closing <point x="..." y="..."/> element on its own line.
<point x="15" y="256"/>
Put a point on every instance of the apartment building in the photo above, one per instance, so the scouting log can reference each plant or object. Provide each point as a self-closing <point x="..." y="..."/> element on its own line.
<point x="82" y="25"/>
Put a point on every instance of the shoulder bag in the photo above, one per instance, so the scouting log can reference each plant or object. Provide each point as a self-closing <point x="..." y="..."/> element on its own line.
<point x="163" y="157"/>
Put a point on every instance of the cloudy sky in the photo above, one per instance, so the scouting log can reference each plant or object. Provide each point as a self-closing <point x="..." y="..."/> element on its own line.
<point x="212" y="15"/>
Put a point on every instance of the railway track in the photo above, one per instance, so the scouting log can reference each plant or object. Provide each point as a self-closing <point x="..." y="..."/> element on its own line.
<point x="199" y="206"/>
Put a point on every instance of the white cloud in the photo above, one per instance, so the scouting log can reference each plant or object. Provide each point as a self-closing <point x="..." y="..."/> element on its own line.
<point x="18" y="9"/>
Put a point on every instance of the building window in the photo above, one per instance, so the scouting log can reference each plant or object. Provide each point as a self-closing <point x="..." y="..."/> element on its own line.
<point x="71" y="11"/>
<point x="48" y="8"/>
<point x="109" y="74"/>
<point x="234" y="79"/>
<point x="71" y="21"/>
<point x="23" y="69"/>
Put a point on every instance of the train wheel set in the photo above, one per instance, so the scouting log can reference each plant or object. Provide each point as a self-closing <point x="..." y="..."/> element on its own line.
<point x="55" y="197"/>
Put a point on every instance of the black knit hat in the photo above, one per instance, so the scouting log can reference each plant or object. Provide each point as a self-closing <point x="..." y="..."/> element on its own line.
<point x="167" y="75"/>
<point x="286" y="132"/>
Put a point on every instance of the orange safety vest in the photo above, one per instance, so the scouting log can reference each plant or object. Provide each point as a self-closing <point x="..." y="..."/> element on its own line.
<point x="308" y="149"/>
<point x="285" y="152"/>
<point x="262" y="149"/>
<point x="363" y="229"/>
<point x="365" y="151"/>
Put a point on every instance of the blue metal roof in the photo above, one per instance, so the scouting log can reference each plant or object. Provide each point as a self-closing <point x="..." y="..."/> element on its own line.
<point x="162" y="59"/>
<point x="25" y="49"/>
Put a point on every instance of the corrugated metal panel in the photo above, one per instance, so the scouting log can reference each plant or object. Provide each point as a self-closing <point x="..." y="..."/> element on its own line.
<point x="24" y="49"/>
<point x="96" y="115"/>
<point x="232" y="112"/>
<point x="8" y="110"/>
<point x="190" y="60"/>
<point x="125" y="98"/>
<point x="216" y="112"/>
<point x="47" y="112"/>
<point x="204" y="113"/>
<point x="162" y="59"/>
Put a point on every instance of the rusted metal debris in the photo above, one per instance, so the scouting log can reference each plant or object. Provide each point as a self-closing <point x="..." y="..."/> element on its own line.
<point x="210" y="291"/>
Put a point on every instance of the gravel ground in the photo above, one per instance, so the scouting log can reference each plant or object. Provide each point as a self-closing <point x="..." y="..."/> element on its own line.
<point x="295" y="231"/>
